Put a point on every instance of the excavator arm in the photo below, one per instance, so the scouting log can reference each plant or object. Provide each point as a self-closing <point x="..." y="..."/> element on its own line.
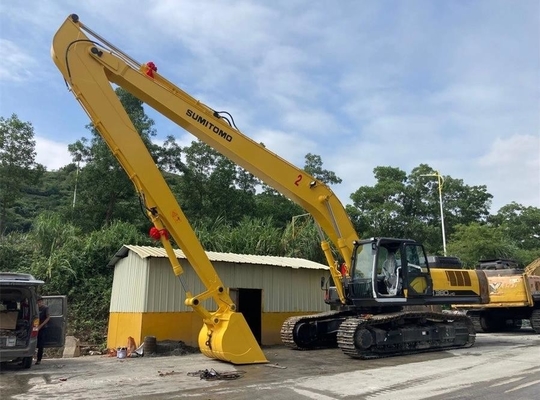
<point x="91" y="65"/>
<point x="89" y="71"/>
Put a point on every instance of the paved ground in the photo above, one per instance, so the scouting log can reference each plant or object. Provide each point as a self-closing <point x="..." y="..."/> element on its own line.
<point x="499" y="366"/>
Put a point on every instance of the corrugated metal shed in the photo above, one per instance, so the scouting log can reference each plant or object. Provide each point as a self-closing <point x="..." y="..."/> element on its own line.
<point x="144" y="281"/>
<point x="158" y="252"/>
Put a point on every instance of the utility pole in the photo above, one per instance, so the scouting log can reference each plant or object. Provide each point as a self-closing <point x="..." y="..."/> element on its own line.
<point x="78" y="159"/>
<point x="440" y="181"/>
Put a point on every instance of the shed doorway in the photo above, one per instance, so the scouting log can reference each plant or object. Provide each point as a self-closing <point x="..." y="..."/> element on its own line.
<point x="249" y="303"/>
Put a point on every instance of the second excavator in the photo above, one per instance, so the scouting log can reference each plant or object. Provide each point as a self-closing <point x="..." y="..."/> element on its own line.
<point x="382" y="276"/>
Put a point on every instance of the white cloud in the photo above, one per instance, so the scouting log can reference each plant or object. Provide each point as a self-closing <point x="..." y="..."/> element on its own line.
<point x="51" y="154"/>
<point x="511" y="170"/>
<point x="361" y="84"/>
<point x="18" y="64"/>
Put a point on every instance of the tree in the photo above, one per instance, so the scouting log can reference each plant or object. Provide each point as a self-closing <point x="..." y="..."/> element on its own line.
<point x="520" y="226"/>
<point x="379" y="210"/>
<point x="213" y="186"/>
<point x="56" y="247"/>
<point x="408" y="206"/>
<point x="313" y="166"/>
<point x="301" y="239"/>
<point x="271" y="202"/>
<point x="18" y="166"/>
<point x="476" y="241"/>
<point x="105" y="193"/>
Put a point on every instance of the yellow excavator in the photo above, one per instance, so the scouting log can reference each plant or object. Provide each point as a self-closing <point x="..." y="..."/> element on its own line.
<point x="381" y="277"/>
<point x="514" y="297"/>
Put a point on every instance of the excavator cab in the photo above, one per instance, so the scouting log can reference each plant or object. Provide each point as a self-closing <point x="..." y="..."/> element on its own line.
<point x="383" y="269"/>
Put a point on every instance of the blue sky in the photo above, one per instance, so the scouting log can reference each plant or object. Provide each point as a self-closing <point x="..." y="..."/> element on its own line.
<point x="454" y="84"/>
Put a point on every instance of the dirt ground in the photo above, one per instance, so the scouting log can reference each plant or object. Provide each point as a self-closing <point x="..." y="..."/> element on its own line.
<point x="499" y="366"/>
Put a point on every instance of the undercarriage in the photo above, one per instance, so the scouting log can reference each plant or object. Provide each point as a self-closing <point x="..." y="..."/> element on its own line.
<point x="504" y="319"/>
<point x="369" y="336"/>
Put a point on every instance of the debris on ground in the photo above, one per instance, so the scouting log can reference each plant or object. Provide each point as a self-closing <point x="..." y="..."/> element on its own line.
<point x="213" y="375"/>
<point x="173" y="348"/>
<point x="167" y="373"/>
<point x="163" y="348"/>
<point x="276" y="365"/>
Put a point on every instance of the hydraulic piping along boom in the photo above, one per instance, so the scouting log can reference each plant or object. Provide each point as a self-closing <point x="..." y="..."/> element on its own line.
<point x="89" y="70"/>
<point x="72" y="46"/>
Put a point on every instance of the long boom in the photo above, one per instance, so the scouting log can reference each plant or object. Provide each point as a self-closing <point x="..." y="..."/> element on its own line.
<point x="89" y="71"/>
<point x="97" y="62"/>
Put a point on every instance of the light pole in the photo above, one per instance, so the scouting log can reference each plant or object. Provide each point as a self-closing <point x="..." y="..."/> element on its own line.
<point x="440" y="180"/>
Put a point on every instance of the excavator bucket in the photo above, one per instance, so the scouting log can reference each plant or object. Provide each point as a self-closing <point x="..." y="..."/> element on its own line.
<point x="231" y="340"/>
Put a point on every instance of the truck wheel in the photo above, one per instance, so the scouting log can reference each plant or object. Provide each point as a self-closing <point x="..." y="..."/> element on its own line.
<point x="490" y="323"/>
<point x="516" y="324"/>
<point x="27" y="362"/>
<point x="535" y="320"/>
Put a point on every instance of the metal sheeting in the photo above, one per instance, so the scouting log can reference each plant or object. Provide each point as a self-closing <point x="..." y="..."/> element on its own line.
<point x="153" y="287"/>
<point x="129" y="288"/>
<point x="158" y="252"/>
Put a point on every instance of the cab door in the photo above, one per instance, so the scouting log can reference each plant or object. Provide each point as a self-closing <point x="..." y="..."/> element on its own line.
<point x="55" y="333"/>
<point x="418" y="281"/>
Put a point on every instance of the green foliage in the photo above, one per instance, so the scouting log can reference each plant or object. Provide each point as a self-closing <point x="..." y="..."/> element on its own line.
<point x="15" y="252"/>
<point x="475" y="242"/>
<point x="301" y="239"/>
<point x="249" y="236"/>
<point x="313" y="166"/>
<point x="514" y="232"/>
<point x="18" y="167"/>
<point x="213" y="186"/>
<point x="520" y="223"/>
<point x="104" y="191"/>
<point x="278" y="206"/>
<point x="408" y="206"/>
<point x="70" y="247"/>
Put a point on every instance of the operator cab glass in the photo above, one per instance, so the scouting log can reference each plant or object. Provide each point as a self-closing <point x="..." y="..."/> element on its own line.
<point x="361" y="284"/>
<point x="388" y="267"/>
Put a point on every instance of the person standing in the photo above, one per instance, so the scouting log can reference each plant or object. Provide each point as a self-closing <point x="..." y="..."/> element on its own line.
<point x="44" y="317"/>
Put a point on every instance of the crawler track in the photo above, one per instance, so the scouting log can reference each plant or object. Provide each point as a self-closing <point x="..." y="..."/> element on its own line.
<point x="535" y="320"/>
<point x="301" y="332"/>
<point x="385" y="335"/>
<point x="476" y="322"/>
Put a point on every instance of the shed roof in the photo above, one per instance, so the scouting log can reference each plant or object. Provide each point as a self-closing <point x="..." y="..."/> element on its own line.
<point x="159" y="252"/>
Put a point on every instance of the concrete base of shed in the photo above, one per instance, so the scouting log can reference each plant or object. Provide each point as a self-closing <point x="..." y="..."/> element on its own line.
<point x="184" y="326"/>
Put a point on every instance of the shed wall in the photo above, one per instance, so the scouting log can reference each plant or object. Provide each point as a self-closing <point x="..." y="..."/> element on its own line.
<point x="149" y="285"/>
<point x="129" y="284"/>
<point x="148" y="299"/>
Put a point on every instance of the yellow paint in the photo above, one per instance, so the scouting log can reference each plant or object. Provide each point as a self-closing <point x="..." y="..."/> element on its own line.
<point x="231" y="340"/>
<point x="507" y="289"/>
<point x="271" y="325"/>
<point x="442" y="282"/>
<point x="122" y="326"/>
<point x="419" y="285"/>
<point x="184" y="326"/>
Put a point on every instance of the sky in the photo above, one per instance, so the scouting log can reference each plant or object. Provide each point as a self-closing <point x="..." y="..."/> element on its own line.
<point x="452" y="84"/>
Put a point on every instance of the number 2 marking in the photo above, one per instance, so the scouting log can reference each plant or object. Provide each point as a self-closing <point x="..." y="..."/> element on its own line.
<point x="297" y="181"/>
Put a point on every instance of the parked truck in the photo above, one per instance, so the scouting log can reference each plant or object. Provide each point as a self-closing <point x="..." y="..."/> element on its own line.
<point x="19" y="318"/>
